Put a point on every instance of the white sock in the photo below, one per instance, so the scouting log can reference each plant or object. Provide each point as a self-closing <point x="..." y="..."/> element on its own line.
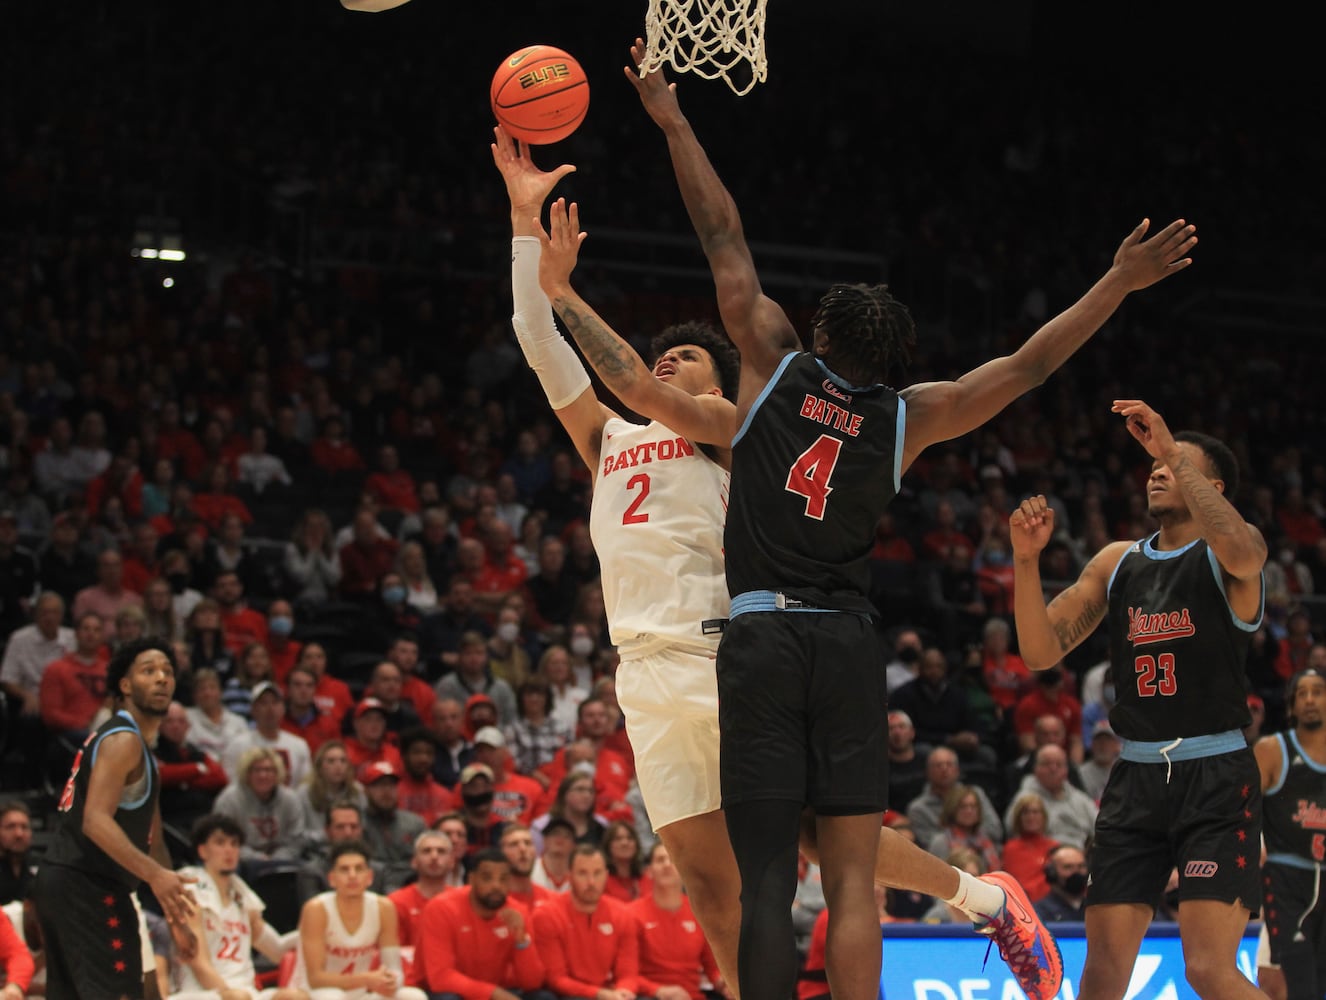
<point x="979" y="900"/>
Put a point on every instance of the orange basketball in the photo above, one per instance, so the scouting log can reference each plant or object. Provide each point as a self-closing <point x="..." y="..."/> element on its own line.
<point x="540" y="94"/>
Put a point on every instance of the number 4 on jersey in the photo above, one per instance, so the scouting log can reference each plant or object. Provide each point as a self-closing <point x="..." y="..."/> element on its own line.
<point x="809" y="475"/>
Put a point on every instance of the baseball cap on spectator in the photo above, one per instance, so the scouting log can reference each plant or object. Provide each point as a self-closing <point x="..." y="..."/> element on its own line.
<point x="376" y="770"/>
<point x="557" y="824"/>
<point x="490" y="736"/>
<point x="471" y="771"/>
<point x="370" y="704"/>
<point x="262" y="687"/>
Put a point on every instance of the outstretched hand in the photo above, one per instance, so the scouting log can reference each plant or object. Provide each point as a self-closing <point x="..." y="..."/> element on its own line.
<point x="1147" y="426"/>
<point x="1030" y="527"/>
<point x="657" y="95"/>
<point x="561" y="245"/>
<point x="527" y="186"/>
<point x="1144" y="262"/>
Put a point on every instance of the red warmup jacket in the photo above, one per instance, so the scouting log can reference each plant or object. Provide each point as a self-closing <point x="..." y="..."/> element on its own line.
<point x="673" y="949"/>
<point x="585" y="952"/>
<point x="457" y="951"/>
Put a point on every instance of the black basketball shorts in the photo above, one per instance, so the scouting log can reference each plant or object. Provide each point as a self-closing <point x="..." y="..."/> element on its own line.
<point x="802" y="709"/>
<point x="90" y="929"/>
<point x="1205" y="820"/>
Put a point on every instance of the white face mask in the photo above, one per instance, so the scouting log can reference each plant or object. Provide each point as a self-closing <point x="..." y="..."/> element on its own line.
<point x="582" y="645"/>
<point x="508" y="631"/>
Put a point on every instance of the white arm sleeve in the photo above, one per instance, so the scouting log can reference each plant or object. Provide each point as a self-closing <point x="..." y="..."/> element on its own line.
<point x="559" y="368"/>
<point x="391" y="960"/>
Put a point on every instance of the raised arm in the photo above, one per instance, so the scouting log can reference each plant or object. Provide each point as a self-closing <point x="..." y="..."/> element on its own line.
<point x="563" y="377"/>
<point x="941" y="411"/>
<point x="1237" y="545"/>
<point x="1047" y="634"/>
<point x="757" y="325"/>
<point x="710" y="419"/>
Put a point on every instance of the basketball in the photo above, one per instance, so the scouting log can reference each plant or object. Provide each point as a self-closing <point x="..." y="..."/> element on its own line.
<point x="540" y="94"/>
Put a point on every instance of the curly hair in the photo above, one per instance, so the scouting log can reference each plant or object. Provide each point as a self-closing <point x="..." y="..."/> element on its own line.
<point x="727" y="363"/>
<point x="870" y="332"/>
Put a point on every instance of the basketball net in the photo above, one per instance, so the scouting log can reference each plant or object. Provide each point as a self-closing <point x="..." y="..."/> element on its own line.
<point x="712" y="38"/>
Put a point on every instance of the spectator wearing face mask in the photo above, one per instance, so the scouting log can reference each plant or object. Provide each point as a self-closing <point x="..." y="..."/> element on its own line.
<point x="283" y="651"/>
<point x="1066" y="874"/>
<point x="906" y="656"/>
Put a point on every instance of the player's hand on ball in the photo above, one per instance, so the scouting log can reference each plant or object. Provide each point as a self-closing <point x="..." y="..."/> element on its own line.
<point x="1030" y="527"/>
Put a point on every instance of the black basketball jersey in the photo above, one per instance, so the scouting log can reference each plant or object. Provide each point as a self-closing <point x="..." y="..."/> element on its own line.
<point x="1294" y="809"/>
<point x="70" y="846"/>
<point x="813" y="466"/>
<point x="1177" y="651"/>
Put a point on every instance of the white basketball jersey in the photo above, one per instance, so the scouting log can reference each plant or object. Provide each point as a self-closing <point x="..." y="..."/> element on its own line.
<point x="227" y="932"/>
<point x="346" y="953"/>
<point x="657" y="523"/>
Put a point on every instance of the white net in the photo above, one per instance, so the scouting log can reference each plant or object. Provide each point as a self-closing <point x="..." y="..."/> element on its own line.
<point x="712" y="38"/>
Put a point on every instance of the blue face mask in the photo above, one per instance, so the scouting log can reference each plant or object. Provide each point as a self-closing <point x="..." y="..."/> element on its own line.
<point x="996" y="558"/>
<point x="281" y="625"/>
<point x="394" y="595"/>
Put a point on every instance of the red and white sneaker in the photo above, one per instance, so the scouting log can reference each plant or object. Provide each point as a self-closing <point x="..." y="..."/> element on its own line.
<point x="1025" y="944"/>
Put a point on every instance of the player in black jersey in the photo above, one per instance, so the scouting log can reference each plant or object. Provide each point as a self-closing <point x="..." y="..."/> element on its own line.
<point x="820" y="447"/>
<point x="109" y="840"/>
<point x="1181" y="607"/>
<point x="1293" y="767"/>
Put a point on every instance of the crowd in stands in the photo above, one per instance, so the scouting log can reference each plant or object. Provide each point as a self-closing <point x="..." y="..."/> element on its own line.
<point x="343" y="503"/>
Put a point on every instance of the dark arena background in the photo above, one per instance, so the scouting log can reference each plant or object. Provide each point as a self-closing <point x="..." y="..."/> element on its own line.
<point x="224" y="218"/>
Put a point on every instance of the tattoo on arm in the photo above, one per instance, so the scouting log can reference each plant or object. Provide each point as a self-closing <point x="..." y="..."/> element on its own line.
<point x="1216" y="514"/>
<point x="1072" y="632"/>
<point x="616" y="363"/>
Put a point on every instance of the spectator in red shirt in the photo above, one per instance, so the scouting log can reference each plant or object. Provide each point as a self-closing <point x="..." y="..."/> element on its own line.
<point x="1006" y="676"/>
<point x="366" y="558"/>
<point x="1298" y="521"/>
<point x="518" y="846"/>
<point x="392" y="486"/>
<point x="15" y="961"/>
<point x="475" y="943"/>
<point x="612" y="773"/>
<point x="369" y="743"/>
<point x="140" y="560"/>
<point x="1049" y="697"/>
<point x="588" y="940"/>
<point x="418" y="791"/>
<point x="303" y="717"/>
<point x="332" y="695"/>
<point x="120" y="479"/>
<point x="240" y="624"/>
<point x="946" y="535"/>
<point x="493" y="572"/>
<point x="514" y="795"/>
<point x="332" y="452"/>
<point x="673" y="949"/>
<point x="177" y="443"/>
<point x="73" y="688"/>
<point x="404" y="652"/>
<point x="215" y="500"/>
<point x="433" y="862"/>
<point x="625" y="862"/>
<point x="283" y="650"/>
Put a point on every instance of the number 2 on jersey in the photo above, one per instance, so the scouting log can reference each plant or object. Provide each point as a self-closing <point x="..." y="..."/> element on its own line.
<point x="809" y="475"/>
<point x="1147" y="667"/>
<point x="632" y="514"/>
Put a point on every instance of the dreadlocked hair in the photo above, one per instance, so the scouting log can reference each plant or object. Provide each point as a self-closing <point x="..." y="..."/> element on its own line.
<point x="871" y="334"/>
<point x="727" y="364"/>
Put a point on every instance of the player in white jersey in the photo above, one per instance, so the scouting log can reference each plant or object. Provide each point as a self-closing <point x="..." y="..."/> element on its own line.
<point x="227" y="922"/>
<point x="656" y="518"/>
<point x="336" y="962"/>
